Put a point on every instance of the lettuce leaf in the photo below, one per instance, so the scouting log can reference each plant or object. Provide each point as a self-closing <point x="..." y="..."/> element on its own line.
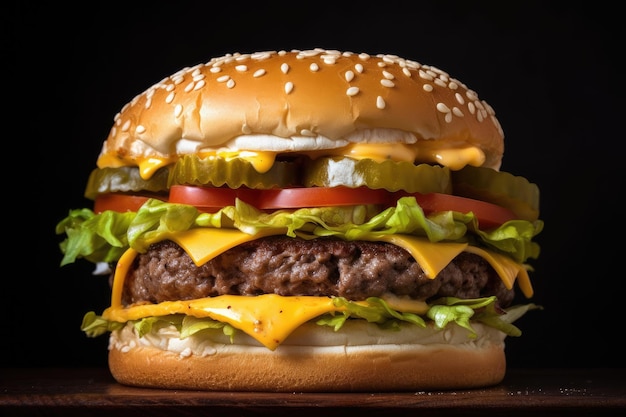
<point x="104" y="237"/>
<point x="441" y="312"/>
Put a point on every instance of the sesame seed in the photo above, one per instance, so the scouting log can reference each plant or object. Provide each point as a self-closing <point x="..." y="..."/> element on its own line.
<point x="457" y="112"/>
<point x="380" y="102"/>
<point x="170" y="97"/>
<point x="288" y="87"/>
<point x="140" y="129"/>
<point x="264" y="55"/>
<point x="199" y="85"/>
<point x="388" y="75"/>
<point x="443" y="108"/>
<point x="459" y="98"/>
<point x="258" y="73"/>
<point x="241" y="68"/>
<point x="230" y="83"/>
<point x="126" y="126"/>
<point x="387" y="83"/>
<point x="471" y="107"/>
<point x="310" y="53"/>
<point x="245" y="129"/>
<point x="440" y="83"/>
<point x="223" y="79"/>
<point x="359" y="68"/>
<point x="349" y="76"/>
<point x="189" y="87"/>
<point x="406" y="72"/>
<point x="284" y="68"/>
<point x="178" y="110"/>
<point x="352" y="91"/>
<point x="425" y="75"/>
<point x="329" y="59"/>
<point x="215" y="70"/>
<point x="427" y="87"/>
<point x="448" y="117"/>
<point x="453" y="85"/>
<point x="307" y="132"/>
<point x="314" y="67"/>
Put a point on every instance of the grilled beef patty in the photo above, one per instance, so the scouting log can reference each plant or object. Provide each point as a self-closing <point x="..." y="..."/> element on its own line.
<point x="293" y="266"/>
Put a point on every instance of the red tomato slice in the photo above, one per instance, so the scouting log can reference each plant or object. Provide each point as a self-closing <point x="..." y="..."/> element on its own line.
<point x="488" y="214"/>
<point x="320" y="197"/>
<point x="118" y="202"/>
<point x="210" y="199"/>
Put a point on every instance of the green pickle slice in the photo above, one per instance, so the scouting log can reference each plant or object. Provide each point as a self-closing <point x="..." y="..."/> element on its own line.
<point x="124" y="179"/>
<point x="390" y="175"/>
<point x="216" y="172"/>
<point x="502" y="188"/>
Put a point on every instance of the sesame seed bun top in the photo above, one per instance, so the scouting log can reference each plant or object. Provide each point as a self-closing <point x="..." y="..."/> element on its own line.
<point x="302" y="101"/>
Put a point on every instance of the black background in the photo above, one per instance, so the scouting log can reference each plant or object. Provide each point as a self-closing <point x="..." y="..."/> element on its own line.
<point x="551" y="73"/>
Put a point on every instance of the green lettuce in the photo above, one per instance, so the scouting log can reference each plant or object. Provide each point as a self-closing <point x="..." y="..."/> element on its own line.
<point x="440" y="313"/>
<point x="104" y="237"/>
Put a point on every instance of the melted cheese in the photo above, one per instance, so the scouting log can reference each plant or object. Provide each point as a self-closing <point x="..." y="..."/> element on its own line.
<point x="262" y="161"/>
<point x="147" y="166"/>
<point x="271" y="318"/>
<point x="423" y="151"/>
<point x="268" y="318"/>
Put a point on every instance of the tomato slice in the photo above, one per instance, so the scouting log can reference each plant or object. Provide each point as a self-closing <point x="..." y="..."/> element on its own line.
<point x="210" y="199"/>
<point x="320" y="197"/>
<point x="118" y="202"/>
<point x="488" y="214"/>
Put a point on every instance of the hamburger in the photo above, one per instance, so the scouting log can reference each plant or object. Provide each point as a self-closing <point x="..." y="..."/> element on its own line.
<point x="308" y="220"/>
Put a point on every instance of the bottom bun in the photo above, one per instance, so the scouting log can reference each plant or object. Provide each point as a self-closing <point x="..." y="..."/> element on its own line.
<point x="360" y="357"/>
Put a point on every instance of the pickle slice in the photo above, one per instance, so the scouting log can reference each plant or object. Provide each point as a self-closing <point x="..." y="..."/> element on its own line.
<point x="502" y="188"/>
<point x="216" y="172"/>
<point x="390" y="175"/>
<point x="124" y="179"/>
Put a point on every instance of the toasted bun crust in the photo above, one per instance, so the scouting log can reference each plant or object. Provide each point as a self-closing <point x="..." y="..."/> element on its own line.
<point x="347" y="362"/>
<point x="319" y="99"/>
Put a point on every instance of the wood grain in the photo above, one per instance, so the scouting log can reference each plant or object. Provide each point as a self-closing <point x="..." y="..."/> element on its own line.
<point x="93" y="392"/>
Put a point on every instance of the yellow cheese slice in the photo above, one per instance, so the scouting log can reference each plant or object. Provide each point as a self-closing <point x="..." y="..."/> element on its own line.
<point x="204" y="244"/>
<point x="432" y="257"/>
<point x="507" y="269"/>
<point x="268" y="318"/>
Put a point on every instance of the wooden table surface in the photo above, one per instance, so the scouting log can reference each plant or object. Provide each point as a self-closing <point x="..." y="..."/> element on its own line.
<point x="93" y="392"/>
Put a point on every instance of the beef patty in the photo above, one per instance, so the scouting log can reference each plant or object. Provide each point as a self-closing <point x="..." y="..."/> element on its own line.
<point x="293" y="266"/>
